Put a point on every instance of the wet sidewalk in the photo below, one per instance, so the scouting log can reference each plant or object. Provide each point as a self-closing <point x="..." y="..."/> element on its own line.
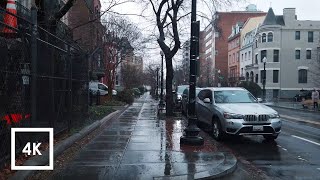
<point x="139" y="145"/>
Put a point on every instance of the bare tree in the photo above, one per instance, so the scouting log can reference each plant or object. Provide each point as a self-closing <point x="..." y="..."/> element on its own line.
<point x="121" y="39"/>
<point x="169" y="15"/>
<point x="131" y="76"/>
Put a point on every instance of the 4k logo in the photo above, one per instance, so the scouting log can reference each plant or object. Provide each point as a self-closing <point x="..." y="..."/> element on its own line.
<point x="35" y="149"/>
<point x="32" y="148"/>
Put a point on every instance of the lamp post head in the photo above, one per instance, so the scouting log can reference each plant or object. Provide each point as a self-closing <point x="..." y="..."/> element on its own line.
<point x="264" y="60"/>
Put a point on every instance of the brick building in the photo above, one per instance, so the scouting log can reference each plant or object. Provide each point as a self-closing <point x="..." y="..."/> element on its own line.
<point x="84" y="20"/>
<point x="216" y="40"/>
<point x="233" y="54"/>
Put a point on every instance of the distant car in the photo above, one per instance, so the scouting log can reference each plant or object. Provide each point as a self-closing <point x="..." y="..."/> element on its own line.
<point x="185" y="100"/>
<point x="236" y="111"/>
<point x="94" y="86"/>
<point x="302" y="95"/>
<point x="177" y="96"/>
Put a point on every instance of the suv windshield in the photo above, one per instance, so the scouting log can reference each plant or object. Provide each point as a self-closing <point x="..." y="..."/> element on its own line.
<point x="181" y="89"/>
<point x="233" y="96"/>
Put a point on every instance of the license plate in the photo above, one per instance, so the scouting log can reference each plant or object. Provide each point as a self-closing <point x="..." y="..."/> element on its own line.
<point x="257" y="128"/>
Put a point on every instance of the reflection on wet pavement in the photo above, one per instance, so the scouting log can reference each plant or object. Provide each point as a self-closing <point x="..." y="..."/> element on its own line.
<point x="139" y="145"/>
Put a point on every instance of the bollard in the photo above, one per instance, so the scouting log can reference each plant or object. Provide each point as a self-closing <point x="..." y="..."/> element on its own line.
<point x="90" y="97"/>
<point x="98" y="98"/>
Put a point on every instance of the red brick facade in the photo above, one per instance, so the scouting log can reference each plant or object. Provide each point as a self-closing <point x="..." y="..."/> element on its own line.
<point x="218" y="40"/>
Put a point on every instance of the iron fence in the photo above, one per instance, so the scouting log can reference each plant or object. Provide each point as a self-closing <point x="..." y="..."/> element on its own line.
<point x="60" y="99"/>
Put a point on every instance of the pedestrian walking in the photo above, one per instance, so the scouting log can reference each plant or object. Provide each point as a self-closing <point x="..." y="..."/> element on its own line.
<point x="315" y="98"/>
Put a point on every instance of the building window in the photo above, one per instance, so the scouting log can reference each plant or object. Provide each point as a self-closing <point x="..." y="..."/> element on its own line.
<point x="257" y="78"/>
<point x="270" y="37"/>
<point x="241" y="57"/>
<point x="308" y="54"/>
<point x="310" y="36"/>
<point x="256" y="43"/>
<point x="247" y="76"/>
<point x="263" y="54"/>
<point x="275" y="76"/>
<point x="249" y="55"/>
<point x="275" y="55"/>
<point x="264" y="37"/>
<point x="117" y="80"/>
<point x="297" y="35"/>
<point x="303" y="76"/>
<point x="245" y="56"/>
<point x="297" y="54"/>
<point x="256" y="59"/>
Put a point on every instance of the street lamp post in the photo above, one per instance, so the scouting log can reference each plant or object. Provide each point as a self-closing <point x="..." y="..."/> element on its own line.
<point x="264" y="79"/>
<point x="219" y="83"/>
<point x="161" y="104"/>
<point x="191" y="133"/>
<point x="157" y="88"/>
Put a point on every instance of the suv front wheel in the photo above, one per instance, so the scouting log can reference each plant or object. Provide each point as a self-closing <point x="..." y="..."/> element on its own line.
<point x="217" y="132"/>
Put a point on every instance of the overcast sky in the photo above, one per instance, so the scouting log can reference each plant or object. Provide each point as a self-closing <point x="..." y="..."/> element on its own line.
<point x="305" y="10"/>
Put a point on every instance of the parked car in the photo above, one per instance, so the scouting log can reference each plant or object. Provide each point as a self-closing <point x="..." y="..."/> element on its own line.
<point x="94" y="86"/>
<point x="177" y="96"/>
<point x="302" y="95"/>
<point x="185" y="100"/>
<point x="236" y="111"/>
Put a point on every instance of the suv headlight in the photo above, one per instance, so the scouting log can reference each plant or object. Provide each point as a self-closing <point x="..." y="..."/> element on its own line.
<point x="232" y="116"/>
<point x="275" y="115"/>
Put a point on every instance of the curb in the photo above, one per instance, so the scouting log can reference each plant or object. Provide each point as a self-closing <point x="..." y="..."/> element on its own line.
<point x="62" y="146"/>
<point x="303" y="110"/>
<point x="228" y="166"/>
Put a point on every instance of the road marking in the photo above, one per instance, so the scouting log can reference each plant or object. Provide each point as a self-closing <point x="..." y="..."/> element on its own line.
<point x="299" y="119"/>
<point x="318" y="169"/>
<point x="306" y="140"/>
<point x="285" y="149"/>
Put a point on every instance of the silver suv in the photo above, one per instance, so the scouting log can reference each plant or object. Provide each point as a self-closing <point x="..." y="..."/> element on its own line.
<point x="236" y="111"/>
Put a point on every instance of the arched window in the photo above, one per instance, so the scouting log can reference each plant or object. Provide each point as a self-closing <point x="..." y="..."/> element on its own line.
<point x="257" y="78"/>
<point x="270" y="37"/>
<point x="303" y="76"/>
<point x="247" y="76"/>
<point x="264" y="37"/>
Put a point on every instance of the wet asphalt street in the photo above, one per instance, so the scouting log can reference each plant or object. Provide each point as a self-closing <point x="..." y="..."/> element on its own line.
<point x="295" y="154"/>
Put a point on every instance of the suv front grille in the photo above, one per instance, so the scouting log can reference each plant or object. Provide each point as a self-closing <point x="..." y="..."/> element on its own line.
<point x="251" y="118"/>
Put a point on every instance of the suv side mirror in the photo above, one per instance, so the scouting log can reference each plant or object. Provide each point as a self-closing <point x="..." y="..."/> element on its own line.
<point x="207" y="100"/>
<point x="259" y="100"/>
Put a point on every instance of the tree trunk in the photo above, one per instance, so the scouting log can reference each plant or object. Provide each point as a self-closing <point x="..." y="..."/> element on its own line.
<point x="169" y="96"/>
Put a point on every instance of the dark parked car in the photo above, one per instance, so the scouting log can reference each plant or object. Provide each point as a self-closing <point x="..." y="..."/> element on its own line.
<point x="177" y="96"/>
<point x="302" y="95"/>
<point x="185" y="100"/>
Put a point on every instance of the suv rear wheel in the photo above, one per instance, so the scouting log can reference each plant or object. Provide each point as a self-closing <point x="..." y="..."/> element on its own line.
<point x="217" y="132"/>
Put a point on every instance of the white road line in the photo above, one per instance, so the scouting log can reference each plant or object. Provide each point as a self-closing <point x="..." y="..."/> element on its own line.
<point x="318" y="169"/>
<point x="285" y="149"/>
<point x="306" y="140"/>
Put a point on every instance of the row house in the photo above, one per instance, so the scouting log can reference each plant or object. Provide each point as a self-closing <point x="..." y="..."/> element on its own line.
<point x="233" y="54"/>
<point x="289" y="49"/>
<point x="246" y="59"/>
<point x="84" y="18"/>
<point x="215" y="40"/>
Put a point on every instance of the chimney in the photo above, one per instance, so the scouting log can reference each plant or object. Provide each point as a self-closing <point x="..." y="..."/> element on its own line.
<point x="289" y="15"/>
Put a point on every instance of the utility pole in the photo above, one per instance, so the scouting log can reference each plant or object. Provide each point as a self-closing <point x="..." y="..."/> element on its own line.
<point x="191" y="136"/>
